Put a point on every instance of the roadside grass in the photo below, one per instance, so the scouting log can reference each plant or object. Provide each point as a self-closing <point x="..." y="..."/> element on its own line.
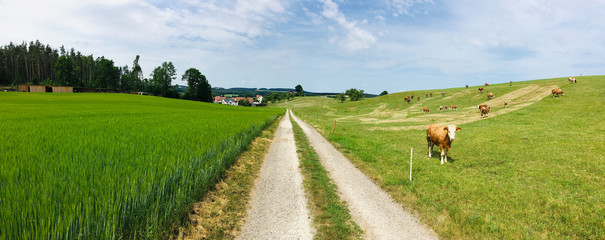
<point x="331" y="217"/>
<point x="533" y="173"/>
<point x="222" y="211"/>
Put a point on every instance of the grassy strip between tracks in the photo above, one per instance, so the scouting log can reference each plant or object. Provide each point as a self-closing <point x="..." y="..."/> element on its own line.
<point x="331" y="217"/>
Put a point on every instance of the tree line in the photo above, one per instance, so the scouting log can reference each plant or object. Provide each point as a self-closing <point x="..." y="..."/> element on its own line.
<point x="36" y="63"/>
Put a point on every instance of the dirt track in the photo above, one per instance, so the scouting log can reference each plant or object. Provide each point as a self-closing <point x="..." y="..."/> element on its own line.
<point x="278" y="208"/>
<point x="372" y="209"/>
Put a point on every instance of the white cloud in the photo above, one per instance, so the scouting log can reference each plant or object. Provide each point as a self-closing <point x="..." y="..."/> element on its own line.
<point x="355" y="37"/>
<point x="405" y="7"/>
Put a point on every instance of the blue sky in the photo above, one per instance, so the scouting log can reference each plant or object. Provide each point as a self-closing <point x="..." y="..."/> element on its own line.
<point x="327" y="45"/>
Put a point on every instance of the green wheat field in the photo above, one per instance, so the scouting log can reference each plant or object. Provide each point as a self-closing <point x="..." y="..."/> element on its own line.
<point x="112" y="166"/>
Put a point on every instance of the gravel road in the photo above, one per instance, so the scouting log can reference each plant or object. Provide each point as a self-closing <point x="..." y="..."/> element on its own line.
<point x="371" y="208"/>
<point x="278" y="207"/>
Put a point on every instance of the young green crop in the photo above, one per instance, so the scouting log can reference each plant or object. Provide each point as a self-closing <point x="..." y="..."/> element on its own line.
<point x="536" y="172"/>
<point x="110" y="166"/>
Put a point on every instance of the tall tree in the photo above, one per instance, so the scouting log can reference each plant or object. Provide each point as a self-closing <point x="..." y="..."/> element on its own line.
<point x="64" y="71"/>
<point x="198" y="87"/>
<point x="161" y="78"/>
<point x="299" y="90"/>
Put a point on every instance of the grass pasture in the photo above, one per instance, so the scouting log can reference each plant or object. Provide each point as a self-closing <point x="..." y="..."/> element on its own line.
<point x="533" y="171"/>
<point x="112" y="166"/>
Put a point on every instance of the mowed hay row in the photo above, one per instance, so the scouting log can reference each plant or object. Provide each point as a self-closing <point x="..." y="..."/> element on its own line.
<point x="112" y="166"/>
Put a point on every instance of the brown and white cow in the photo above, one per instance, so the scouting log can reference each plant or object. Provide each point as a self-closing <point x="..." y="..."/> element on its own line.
<point x="557" y="92"/>
<point x="466" y="86"/>
<point x="426" y="110"/>
<point x="486" y="84"/>
<point x="510" y="83"/>
<point x="505" y="104"/>
<point x="442" y="136"/>
<point x="490" y="96"/>
<point x="453" y="107"/>
<point x="481" y="106"/>
<point x="480" y="89"/>
<point x="572" y="80"/>
<point x="443" y="94"/>
<point x="440" y="108"/>
<point x="485" y="111"/>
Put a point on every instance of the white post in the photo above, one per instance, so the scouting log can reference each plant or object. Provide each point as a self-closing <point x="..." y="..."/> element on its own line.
<point x="411" y="152"/>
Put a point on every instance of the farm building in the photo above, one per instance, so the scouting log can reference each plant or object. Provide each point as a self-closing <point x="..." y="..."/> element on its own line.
<point x="57" y="89"/>
<point x="23" y="88"/>
<point x="37" y="88"/>
<point x="41" y="88"/>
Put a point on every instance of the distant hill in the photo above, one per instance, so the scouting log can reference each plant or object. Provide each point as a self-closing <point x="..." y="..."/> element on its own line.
<point x="218" y="91"/>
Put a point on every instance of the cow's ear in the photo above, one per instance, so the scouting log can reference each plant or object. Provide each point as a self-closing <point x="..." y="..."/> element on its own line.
<point x="445" y="129"/>
<point x="458" y="129"/>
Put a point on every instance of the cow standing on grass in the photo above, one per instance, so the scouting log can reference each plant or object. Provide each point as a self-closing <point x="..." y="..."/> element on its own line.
<point x="442" y="136"/>
<point x="426" y="110"/>
<point x="485" y="110"/>
<point x="480" y="89"/>
<point x="490" y="96"/>
<point x="557" y="92"/>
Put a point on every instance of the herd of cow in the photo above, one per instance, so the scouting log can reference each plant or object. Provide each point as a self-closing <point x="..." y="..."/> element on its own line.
<point x="445" y="135"/>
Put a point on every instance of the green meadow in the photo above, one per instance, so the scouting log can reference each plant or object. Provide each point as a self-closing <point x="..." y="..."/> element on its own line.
<point x="533" y="170"/>
<point x="112" y="166"/>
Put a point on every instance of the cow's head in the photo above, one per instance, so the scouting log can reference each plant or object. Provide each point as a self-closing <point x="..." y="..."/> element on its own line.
<point x="451" y="131"/>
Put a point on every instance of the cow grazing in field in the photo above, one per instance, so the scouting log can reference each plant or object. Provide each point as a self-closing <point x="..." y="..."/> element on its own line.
<point x="426" y="110"/>
<point x="412" y="97"/>
<point x="490" y="96"/>
<point x="510" y="83"/>
<point x="572" y="80"/>
<point x="557" y="92"/>
<point x="505" y="104"/>
<point x="485" y="110"/>
<point x="453" y="107"/>
<point x="443" y="94"/>
<point x="486" y="84"/>
<point x="442" y="136"/>
<point x="426" y="94"/>
<point x="440" y="108"/>
<point x="445" y="108"/>
<point x="407" y="99"/>
<point x="480" y="89"/>
<point x="431" y="94"/>
<point x="481" y="106"/>
<point x="466" y="86"/>
<point x="417" y="99"/>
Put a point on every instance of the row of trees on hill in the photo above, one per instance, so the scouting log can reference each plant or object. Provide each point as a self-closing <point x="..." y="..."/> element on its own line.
<point x="35" y="63"/>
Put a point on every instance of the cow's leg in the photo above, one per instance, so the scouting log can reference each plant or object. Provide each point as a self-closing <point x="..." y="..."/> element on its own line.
<point x="430" y="144"/>
<point x="445" y="155"/>
<point x="442" y="154"/>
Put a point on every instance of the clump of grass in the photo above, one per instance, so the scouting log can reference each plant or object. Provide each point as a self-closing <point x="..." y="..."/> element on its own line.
<point x="331" y="216"/>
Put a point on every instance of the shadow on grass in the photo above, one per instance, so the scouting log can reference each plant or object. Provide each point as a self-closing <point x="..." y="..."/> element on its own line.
<point x="438" y="157"/>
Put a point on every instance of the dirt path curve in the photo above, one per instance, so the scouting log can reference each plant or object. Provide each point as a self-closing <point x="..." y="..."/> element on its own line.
<point x="278" y="205"/>
<point x="373" y="209"/>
